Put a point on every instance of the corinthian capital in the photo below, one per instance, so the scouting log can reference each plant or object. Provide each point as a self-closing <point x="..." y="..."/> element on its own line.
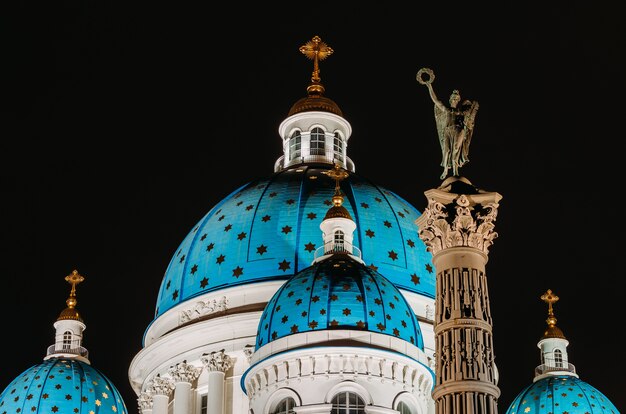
<point x="161" y="386"/>
<point x="144" y="401"/>
<point x="458" y="223"/>
<point x="217" y="361"/>
<point x="184" y="372"/>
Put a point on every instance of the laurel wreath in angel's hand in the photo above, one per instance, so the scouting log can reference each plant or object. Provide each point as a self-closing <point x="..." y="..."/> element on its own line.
<point x="425" y="71"/>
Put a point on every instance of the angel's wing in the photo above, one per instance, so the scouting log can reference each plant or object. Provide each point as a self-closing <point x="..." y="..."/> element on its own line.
<point x="441" y="118"/>
<point x="468" y="124"/>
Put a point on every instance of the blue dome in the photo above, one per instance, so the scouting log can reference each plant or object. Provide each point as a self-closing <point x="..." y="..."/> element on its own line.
<point x="61" y="386"/>
<point x="338" y="293"/>
<point x="269" y="229"/>
<point x="560" y="395"/>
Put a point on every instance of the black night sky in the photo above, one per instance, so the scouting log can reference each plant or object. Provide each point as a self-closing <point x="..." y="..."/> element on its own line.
<point x="123" y="123"/>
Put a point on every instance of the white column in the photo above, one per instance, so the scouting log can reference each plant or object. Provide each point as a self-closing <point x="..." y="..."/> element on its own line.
<point x="216" y="363"/>
<point x="145" y="403"/>
<point x="160" y="389"/>
<point x="183" y="375"/>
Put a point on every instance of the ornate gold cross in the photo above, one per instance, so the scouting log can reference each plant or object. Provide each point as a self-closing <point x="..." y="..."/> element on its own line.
<point x="550" y="298"/>
<point x="317" y="51"/>
<point x="73" y="278"/>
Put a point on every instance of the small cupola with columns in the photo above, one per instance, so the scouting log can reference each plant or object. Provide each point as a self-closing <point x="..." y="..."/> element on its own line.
<point x="553" y="345"/>
<point x="337" y="226"/>
<point x="315" y="130"/>
<point x="69" y="327"/>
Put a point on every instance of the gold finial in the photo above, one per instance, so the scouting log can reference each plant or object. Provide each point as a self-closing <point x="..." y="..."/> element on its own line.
<point x="73" y="278"/>
<point x="550" y="298"/>
<point x="552" y="331"/>
<point x="317" y="51"/>
<point x="338" y="174"/>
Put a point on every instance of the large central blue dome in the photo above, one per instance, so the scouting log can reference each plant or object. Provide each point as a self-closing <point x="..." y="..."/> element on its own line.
<point x="269" y="229"/>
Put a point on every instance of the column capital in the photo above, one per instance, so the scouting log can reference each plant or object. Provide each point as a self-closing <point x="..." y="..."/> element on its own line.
<point x="160" y="386"/>
<point x="217" y="361"/>
<point x="184" y="372"/>
<point x="458" y="220"/>
<point x="145" y="401"/>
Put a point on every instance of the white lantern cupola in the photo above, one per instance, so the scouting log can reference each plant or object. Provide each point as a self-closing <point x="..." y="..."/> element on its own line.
<point x="69" y="327"/>
<point x="337" y="226"/>
<point x="553" y="346"/>
<point x="315" y="130"/>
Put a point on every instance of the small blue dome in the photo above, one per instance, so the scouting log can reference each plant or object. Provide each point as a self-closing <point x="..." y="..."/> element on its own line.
<point x="338" y="293"/>
<point x="269" y="229"/>
<point x="61" y="386"/>
<point x="561" y="394"/>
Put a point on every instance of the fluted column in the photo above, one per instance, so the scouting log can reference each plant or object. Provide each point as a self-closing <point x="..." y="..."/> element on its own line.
<point x="457" y="227"/>
<point x="145" y="403"/>
<point x="184" y="375"/>
<point x="160" y="389"/>
<point x="216" y="363"/>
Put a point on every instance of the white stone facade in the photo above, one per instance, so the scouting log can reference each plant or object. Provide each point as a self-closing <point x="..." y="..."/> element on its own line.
<point x="383" y="370"/>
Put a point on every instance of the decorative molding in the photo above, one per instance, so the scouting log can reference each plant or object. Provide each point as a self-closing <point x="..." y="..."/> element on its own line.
<point x="313" y="409"/>
<point x="248" y="350"/>
<point x="217" y="361"/>
<point x="462" y="299"/>
<point x="465" y="355"/>
<point x="160" y="386"/>
<point x="203" y="308"/>
<point x="414" y="378"/>
<point x="469" y="226"/>
<point x="432" y="362"/>
<point x="184" y="372"/>
<point x="430" y="312"/>
<point x="145" y="401"/>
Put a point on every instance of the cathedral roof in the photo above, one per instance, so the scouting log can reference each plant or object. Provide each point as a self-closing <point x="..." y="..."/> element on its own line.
<point x="315" y="102"/>
<point x="338" y="293"/>
<point x="559" y="395"/>
<point x="61" y="386"/>
<point x="269" y="229"/>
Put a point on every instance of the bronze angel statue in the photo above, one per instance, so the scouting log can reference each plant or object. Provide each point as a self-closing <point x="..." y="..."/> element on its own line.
<point x="455" y="125"/>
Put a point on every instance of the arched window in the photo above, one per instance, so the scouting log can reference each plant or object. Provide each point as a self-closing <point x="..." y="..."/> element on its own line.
<point x="318" y="142"/>
<point x="347" y="402"/>
<point x="67" y="340"/>
<point x="338" y="147"/>
<point x="403" y="408"/>
<point x="338" y="240"/>
<point x="558" y="358"/>
<point x="294" y="146"/>
<point x="285" y="406"/>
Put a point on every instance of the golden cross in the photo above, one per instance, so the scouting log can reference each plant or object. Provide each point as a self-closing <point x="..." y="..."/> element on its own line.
<point x="73" y="278"/>
<point x="338" y="174"/>
<point x="549" y="298"/>
<point x="317" y="51"/>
